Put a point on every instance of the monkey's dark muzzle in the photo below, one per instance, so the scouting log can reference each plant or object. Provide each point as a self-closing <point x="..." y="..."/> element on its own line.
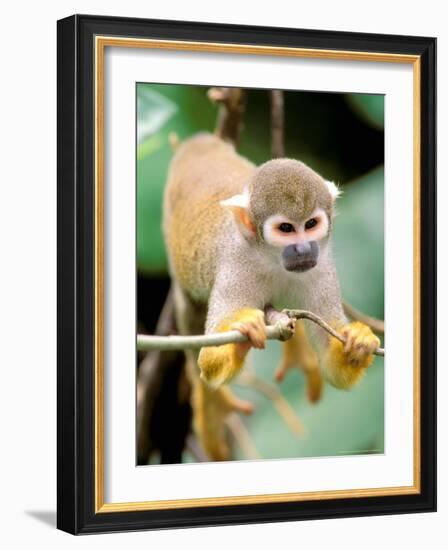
<point x="300" y="257"/>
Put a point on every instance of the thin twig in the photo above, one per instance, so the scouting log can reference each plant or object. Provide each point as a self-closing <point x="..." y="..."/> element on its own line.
<point x="194" y="447"/>
<point x="242" y="437"/>
<point x="280" y="331"/>
<point x="232" y="104"/>
<point x="302" y="314"/>
<point x="270" y="391"/>
<point x="279" y="318"/>
<point x="377" y="325"/>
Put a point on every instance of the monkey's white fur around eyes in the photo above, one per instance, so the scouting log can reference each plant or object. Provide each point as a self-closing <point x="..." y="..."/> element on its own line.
<point x="274" y="237"/>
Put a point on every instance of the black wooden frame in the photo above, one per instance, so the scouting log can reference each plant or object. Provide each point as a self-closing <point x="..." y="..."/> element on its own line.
<point x="75" y="476"/>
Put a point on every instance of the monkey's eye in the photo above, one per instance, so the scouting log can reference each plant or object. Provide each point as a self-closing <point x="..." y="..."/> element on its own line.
<point x="286" y="227"/>
<point x="311" y="223"/>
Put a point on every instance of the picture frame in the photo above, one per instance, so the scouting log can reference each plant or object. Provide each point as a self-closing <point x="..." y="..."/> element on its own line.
<point x="82" y="194"/>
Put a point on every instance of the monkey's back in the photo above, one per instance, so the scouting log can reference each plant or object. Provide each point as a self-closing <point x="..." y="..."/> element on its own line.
<point x="204" y="171"/>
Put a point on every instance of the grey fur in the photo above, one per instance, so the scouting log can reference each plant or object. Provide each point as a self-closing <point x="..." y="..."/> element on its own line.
<point x="214" y="262"/>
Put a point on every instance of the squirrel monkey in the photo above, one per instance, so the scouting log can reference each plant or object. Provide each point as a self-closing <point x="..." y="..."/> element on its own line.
<point x="239" y="238"/>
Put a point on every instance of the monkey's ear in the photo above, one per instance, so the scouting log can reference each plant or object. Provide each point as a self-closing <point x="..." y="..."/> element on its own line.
<point x="239" y="206"/>
<point x="334" y="190"/>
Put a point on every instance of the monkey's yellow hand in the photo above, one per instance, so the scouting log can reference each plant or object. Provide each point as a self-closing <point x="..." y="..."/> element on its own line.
<point x="251" y="323"/>
<point x="221" y="363"/>
<point x="346" y="363"/>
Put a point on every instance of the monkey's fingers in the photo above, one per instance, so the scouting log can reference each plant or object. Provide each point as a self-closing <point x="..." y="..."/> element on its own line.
<point x="279" y="374"/>
<point x="360" y="343"/>
<point x="346" y="364"/>
<point x="256" y="335"/>
<point x="219" y="364"/>
<point x="251" y="323"/>
<point x="314" y="381"/>
<point x="349" y="334"/>
<point x="283" y="369"/>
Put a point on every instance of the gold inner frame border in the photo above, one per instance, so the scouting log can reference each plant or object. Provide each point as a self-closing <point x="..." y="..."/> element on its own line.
<point x="101" y="42"/>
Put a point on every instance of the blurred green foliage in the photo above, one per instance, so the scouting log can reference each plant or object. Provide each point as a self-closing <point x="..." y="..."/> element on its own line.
<point x="359" y="242"/>
<point x="369" y="107"/>
<point x="191" y="112"/>
<point x="340" y="136"/>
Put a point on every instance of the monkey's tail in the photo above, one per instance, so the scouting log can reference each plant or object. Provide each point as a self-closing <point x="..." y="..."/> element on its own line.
<point x="173" y="140"/>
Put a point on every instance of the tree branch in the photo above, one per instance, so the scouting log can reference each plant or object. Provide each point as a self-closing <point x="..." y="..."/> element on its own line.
<point x="242" y="437"/>
<point x="232" y="103"/>
<point x="270" y="391"/>
<point x="377" y="325"/>
<point x="280" y="331"/>
<point x="277" y="124"/>
<point x="302" y="314"/>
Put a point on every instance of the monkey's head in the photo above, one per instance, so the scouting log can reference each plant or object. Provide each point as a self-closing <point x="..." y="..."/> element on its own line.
<point x="287" y="209"/>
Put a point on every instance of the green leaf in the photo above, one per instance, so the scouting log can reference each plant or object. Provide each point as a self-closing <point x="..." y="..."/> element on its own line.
<point x="193" y="112"/>
<point x="341" y="423"/>
<point x="153" y="111"/>
<point x="359" y="242"/>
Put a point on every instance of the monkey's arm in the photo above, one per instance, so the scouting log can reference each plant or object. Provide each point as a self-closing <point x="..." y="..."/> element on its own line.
<point x="233" y="305"/>
<point x="344" y="365"/>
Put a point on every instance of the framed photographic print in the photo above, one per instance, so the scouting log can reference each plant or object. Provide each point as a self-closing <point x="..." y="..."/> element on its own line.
<point x="246" y="274"/>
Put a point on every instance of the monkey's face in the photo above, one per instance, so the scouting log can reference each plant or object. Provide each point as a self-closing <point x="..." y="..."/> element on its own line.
<point x="291" y="207"/>
<point x="286" y="211"/>
<point x="298" y="241"/>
